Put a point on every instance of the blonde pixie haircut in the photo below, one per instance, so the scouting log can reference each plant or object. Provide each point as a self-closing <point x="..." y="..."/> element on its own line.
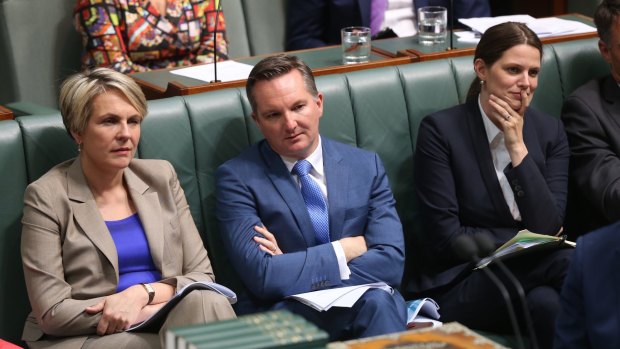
<point x="78" y="91"/>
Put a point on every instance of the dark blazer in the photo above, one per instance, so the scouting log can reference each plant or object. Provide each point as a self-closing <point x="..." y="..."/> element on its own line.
<point x="256" y="188"/>
<point x="591" y="117"/>
<point x="69" y="257"/>
<point x="590" y="299"/>
<point x="316" y="23"/>
<point x="459" y="192"/>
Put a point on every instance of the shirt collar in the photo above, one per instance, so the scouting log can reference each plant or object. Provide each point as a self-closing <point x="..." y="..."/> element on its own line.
<point x="315" y="159"/>
<point x="490" y="128"/>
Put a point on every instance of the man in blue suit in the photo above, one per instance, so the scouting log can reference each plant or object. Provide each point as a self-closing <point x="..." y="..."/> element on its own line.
<point x="282" y="240"/>
<point x="590" y="316"/>
<point x="316" y="23"/>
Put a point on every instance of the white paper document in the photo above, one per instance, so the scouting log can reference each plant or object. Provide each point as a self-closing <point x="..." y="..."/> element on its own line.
<point x="543" y="27"/>
<point x="344" y="297"/>
<point x="226" y="71"/>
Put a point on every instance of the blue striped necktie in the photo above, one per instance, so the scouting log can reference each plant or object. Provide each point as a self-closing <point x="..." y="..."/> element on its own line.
<point x="315" y="202"/>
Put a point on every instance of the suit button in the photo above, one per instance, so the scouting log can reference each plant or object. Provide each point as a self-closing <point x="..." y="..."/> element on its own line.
<point x="520" y="193"/>
<point x="515" y="181"/>
<point x="517" y="187"/>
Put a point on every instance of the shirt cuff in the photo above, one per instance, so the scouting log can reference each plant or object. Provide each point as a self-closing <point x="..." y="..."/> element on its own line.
<point x="345" y="272"/>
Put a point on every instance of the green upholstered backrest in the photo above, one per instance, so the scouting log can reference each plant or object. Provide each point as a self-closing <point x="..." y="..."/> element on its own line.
<point x="236" y="30"/>
<point x="14" y="304"/>
<point x="585" y="7"/>
<point x="38" y="48"/>
<point x="578" y="62"/>
<point x="265" y="21"/>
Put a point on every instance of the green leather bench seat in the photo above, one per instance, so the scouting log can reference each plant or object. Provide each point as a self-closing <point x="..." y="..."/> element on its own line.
<point x="378" y="109"/>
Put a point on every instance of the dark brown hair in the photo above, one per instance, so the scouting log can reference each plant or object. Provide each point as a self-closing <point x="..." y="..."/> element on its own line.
<point x="275" y="66"/>
<point x="605" y="17"/>
<point x="497" y="40"/>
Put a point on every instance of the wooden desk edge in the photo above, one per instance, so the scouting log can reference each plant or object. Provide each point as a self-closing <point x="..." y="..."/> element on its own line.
<point x="6" y="114"/>
<point x="175" y="88"/>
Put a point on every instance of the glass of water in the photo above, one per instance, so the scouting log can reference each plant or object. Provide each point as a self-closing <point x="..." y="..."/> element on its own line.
<point x="355" y="45"/>
<point x="432" y="23"/>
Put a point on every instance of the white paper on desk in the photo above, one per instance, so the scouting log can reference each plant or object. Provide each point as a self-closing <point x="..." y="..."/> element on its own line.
<point x="543" y="27"/>
<point x="344" y="297"/>
<point x="481" y="24"/>
<point x="226" y="71"/>
<point x="552" y="26"/>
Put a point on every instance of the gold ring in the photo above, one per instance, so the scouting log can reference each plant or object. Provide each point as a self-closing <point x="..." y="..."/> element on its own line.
<point x="274" y="249"/>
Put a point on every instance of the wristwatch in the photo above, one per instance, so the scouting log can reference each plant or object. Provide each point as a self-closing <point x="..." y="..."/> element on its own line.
<point x="151" y="292"/>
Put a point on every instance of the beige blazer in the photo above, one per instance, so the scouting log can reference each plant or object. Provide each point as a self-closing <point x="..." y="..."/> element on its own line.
<point x="68" y="254"/>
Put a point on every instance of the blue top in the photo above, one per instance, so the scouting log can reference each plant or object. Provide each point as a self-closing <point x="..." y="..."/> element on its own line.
<point x="135" y="262"/>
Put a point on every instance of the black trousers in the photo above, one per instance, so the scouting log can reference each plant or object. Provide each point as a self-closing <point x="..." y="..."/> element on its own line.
<point x="476" y="302"/>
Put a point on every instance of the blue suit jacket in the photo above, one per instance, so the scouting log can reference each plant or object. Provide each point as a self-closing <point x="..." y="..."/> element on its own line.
<point x="316" y="23"/>
<point x="459" y="192"/>
<point x="590" y="300"/>
<point x="256" y="188"/>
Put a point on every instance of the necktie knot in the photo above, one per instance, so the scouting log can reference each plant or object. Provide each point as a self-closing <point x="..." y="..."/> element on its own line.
<point x="302" y="168"/>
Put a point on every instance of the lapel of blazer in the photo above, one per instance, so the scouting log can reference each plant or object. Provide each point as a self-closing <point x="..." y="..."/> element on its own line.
<point x="337" y="178"/>
<point x="286" y="186"/>
<point x="611" y="93"/>
<point x="149" y="210"/>
<point x="484" y="158"/>
<point x="87" y="214"/>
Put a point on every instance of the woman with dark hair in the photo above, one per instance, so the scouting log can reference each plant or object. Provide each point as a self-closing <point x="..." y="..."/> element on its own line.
<point x="492" y="166"/>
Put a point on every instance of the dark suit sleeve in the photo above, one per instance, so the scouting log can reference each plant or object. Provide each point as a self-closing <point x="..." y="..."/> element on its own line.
<point x="435" y="186"/>
<point x="269" y="277"/>
<point x="571" y="325"/>
<point x="305" y="23"/>
<point x="541" y="196"/>
<point x="595" y="166"/>
<point x="385" y="258"/>
<point x="50" y="295"/>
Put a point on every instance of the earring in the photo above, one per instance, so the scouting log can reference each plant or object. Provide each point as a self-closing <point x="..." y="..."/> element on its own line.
<point x="79" y="146"/>
<point x="481" y="82"/>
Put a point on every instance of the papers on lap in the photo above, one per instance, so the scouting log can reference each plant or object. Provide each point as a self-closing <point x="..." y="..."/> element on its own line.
<point x="423" y="312"/>
<point x="524" y="240"/>
<point x="344" y="297"/>
<point x="153" y="323"/>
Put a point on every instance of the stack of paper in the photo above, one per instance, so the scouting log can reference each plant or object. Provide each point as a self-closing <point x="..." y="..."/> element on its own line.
<point x="337" y="297"/>
<point x="543" y="27"/>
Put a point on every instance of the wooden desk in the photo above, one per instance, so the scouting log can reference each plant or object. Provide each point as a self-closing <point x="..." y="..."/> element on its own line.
<point x="6" y="114"/>
<point x="421" y="53"/>
<point x="326" y="60"/>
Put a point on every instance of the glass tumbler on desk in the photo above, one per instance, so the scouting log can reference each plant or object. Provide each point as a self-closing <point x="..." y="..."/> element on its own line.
<point x="432" y="24"/>
<point x="355" y="45"/>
